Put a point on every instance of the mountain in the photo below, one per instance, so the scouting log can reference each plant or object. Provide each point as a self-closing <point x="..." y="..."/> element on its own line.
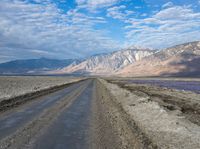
<point x="33" y="65"/>
<point x="104" y="64"/>
<point x="181" y="60"/>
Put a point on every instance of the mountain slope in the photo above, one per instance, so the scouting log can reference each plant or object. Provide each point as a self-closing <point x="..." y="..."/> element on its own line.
<point x="107" y="63"/>
<point x="181" y="60"/>
<point x="33" y="65"/>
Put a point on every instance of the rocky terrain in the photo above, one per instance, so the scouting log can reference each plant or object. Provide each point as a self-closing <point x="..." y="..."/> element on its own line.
<point x="181" y="60"/>
<point x="15" y="86"/>
<point x="107" y="64"/>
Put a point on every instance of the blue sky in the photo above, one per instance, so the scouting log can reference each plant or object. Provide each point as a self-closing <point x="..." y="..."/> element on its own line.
<point x="79" y="28"/>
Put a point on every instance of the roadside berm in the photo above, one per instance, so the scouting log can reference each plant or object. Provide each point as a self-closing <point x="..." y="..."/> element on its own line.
<point x="136" y="121"/>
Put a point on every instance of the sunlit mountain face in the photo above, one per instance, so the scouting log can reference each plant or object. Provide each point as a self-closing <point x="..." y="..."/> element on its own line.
<point x="71" y="29"/>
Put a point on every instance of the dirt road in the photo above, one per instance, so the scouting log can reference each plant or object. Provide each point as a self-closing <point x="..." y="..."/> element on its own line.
<point x="60" y="120"/>
<point x="88" y="114"/>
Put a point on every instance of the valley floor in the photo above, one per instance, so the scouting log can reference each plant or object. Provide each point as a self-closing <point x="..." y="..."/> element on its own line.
<point x="13" y="86"/>
<point x="104" y="114"/>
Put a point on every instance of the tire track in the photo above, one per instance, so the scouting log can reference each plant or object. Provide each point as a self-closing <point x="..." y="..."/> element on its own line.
<point x="70" y="129"/>
<point x="24" y="135"/>
<point x="13" y="119"/>
<point x="114" y="128"/>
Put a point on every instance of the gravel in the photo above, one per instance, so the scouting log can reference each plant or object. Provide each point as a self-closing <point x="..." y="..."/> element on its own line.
<point x="163" y="127"/>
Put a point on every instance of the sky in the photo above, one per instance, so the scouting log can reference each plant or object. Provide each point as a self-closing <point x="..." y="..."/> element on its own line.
<point x="63" y="29"/>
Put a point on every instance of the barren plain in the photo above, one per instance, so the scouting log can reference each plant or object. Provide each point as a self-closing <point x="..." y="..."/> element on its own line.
<point x="105" y="114"/>
<point x="14" y="86"/>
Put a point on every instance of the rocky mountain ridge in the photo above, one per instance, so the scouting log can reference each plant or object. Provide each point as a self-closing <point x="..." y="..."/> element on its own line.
<point x="105" y="64"/>
<point x="180" y="60"/>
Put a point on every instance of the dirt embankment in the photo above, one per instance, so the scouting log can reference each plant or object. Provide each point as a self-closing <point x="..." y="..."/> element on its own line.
<point x="141" y="120"/>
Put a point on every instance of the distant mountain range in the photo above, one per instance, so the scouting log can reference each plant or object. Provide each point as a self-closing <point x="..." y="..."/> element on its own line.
<point x="32" y="66"/>
<point x="107" y="64"/>
<point x="181" y="60"/>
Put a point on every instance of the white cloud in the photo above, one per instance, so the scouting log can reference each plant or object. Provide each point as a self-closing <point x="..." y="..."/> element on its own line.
<point x="137" y="7"/>
<point x="44" y="29"/>
<point x="42" y="53"/>
<point x="166" y="5"/>
<point x="81" y="2"/>
<point x="144" y="15"/>
<point x="119" y="12"/>
<point x="177" y="12"/>
<point x="170" y="26"/>
<point x="94" y="4"/>
<point x="97" y="3"/>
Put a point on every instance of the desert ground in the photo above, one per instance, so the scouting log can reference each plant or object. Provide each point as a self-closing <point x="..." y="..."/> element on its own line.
<point x="106" y="113"/>
<point x="15" y="86"/>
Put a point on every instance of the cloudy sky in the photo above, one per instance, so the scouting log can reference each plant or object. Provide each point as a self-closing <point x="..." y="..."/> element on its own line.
<point x="79" y="28"/>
